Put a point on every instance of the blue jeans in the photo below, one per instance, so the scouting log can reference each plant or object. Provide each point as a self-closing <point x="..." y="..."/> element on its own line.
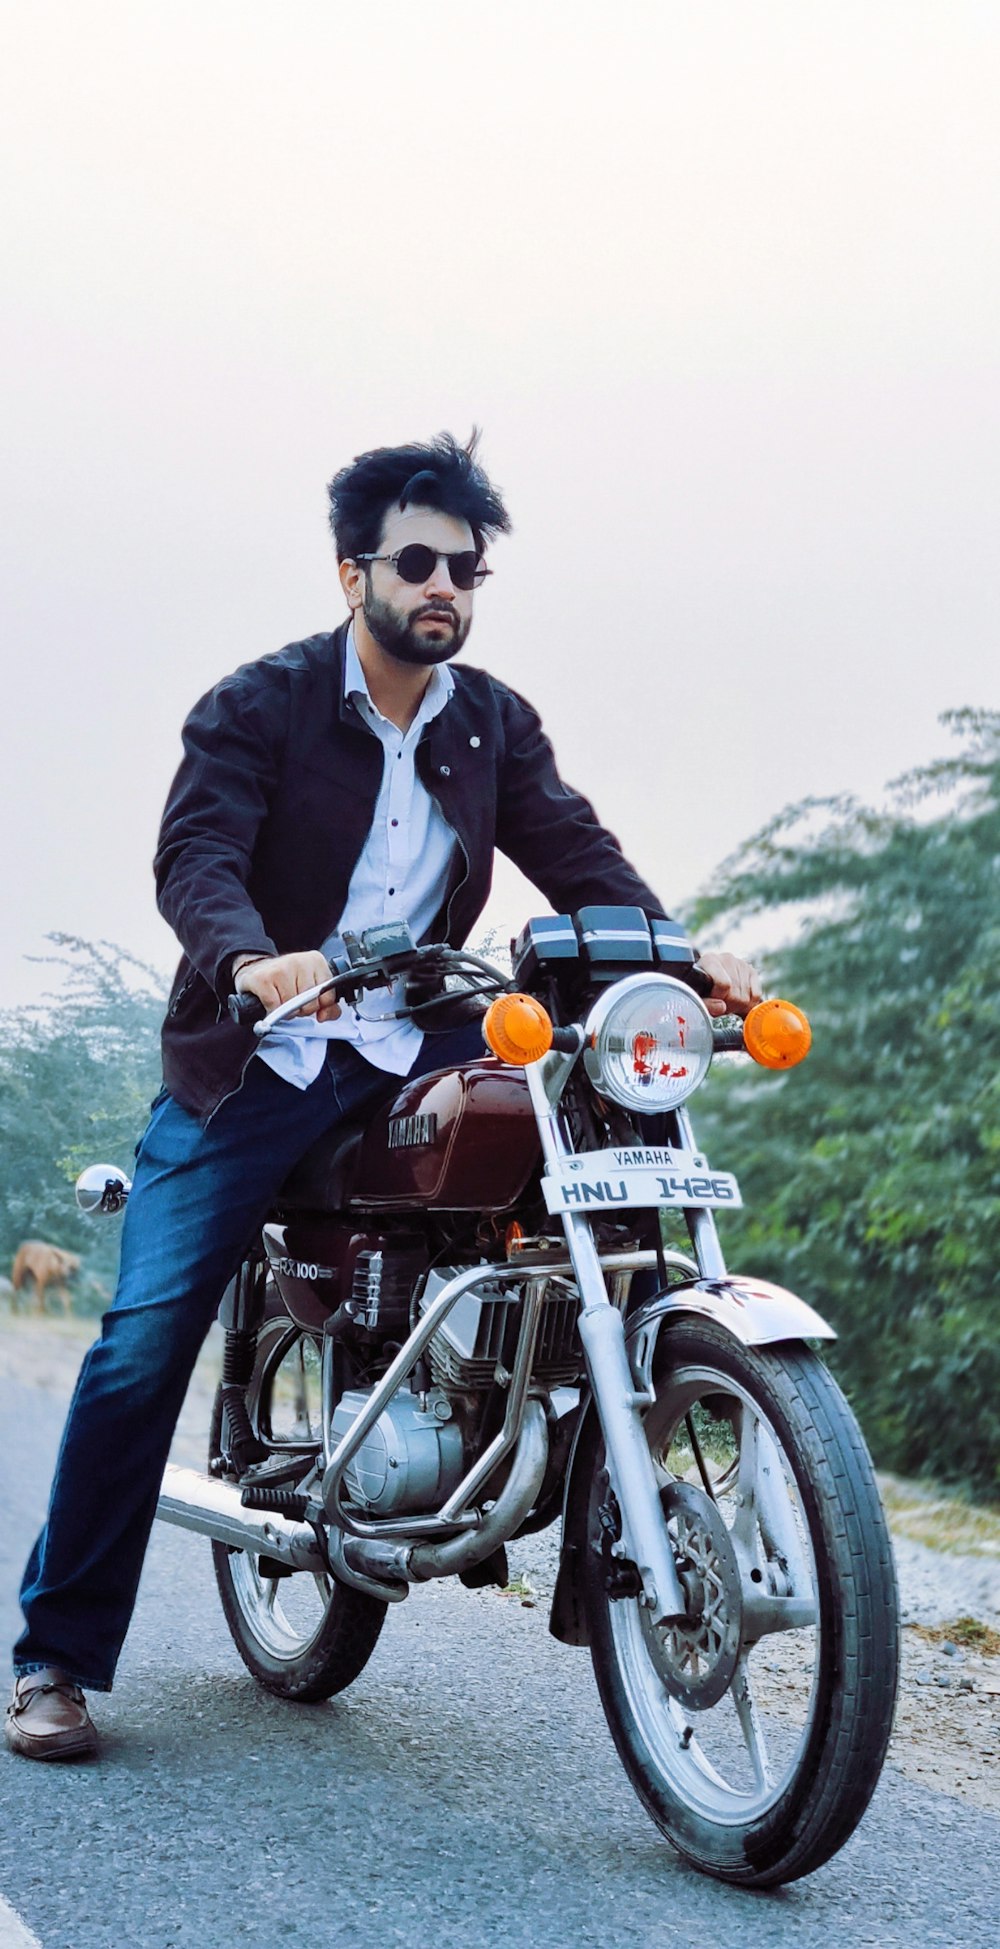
<point x="199" y="1196"/>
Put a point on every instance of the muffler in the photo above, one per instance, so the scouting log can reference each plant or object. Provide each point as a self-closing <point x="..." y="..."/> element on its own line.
<point x="213" y="1508"/>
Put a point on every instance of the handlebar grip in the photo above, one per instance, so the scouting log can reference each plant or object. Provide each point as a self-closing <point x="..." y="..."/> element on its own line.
<point x="246" y="1010"/>
<point x="697" y="979"/>
<point x="729" y="1041"/>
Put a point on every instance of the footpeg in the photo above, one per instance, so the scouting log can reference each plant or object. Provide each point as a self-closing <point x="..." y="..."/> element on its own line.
<point x="290" y="1503"/>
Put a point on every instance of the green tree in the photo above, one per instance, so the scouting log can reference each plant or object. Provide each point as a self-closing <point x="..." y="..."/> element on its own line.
<point x="871" y="1174"/>
<point x="77" y="1072"/>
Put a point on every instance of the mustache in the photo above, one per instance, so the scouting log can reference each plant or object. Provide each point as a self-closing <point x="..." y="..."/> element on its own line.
<point x="441" y="612"/>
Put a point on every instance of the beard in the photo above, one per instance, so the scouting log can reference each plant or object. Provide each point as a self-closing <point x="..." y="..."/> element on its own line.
<point x="397" y="635"/>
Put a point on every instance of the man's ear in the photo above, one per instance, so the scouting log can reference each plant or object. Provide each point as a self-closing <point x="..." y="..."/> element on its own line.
<point x="352" y="581"/>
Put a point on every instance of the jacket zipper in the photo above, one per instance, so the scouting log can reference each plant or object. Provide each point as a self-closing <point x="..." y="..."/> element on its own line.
<point x="457" y="890"/>
<point x="231" y="1093"/>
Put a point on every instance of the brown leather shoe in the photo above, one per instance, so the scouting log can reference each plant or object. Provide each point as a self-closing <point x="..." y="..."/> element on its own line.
<point x="47" y="1718"/>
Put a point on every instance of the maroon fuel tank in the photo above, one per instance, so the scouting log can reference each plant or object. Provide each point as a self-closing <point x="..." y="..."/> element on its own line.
<point x="458" y="1140"/>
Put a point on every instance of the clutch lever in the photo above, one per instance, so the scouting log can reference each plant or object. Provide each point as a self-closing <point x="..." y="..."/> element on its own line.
<point x="249" y="1012"/>
<point x="432" y="960"/>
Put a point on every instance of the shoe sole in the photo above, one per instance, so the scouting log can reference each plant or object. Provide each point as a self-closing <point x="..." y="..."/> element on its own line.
<point x="54" y="1746"/>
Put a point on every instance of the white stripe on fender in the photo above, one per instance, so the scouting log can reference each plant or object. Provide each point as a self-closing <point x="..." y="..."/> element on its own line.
<point x="13" y="1934"/>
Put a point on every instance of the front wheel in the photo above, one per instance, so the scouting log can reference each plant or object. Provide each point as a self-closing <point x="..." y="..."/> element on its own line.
<point x="755" y="1732"/>
<point x="303" y="1636"/>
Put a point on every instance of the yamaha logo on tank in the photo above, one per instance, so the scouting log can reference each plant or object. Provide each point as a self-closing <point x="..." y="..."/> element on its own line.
<point x="406" y="1132"/>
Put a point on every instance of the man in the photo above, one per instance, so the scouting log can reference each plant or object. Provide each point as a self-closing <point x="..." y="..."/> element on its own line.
<point x="348" y="780"/>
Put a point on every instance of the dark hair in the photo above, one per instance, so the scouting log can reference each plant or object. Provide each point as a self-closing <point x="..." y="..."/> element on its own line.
<point x="435" y="474"/>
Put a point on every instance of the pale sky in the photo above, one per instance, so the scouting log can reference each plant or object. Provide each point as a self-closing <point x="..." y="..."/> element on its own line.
<point x="718" y="281"/>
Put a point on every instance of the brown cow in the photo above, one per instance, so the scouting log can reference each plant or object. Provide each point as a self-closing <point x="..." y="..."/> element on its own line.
<point x="47" y="1265"/>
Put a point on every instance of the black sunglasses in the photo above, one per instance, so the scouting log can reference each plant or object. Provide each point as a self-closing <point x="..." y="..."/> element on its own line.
<point x="416" y="563"/>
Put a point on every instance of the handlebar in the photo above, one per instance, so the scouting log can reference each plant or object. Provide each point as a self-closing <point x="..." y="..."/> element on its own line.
<point x="435" y="961"/>
<point x="248" y="1010"/>
<point x="432" y="963"/>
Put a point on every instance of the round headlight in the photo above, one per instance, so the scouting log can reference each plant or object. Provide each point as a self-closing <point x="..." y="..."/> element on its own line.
<point x="648" y="1043"/>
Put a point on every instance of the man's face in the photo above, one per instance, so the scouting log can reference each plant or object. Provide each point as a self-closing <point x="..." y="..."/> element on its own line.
<point x="418" y="623"/>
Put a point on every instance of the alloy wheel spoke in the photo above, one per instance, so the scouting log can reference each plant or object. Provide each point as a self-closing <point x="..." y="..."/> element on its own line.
<point x="744" y="1527"/>
<point x="750" y="1725"/>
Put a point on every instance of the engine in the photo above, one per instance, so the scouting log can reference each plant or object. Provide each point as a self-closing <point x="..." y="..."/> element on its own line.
<point x="479" y="1332"/>
<point x="411" y="1460"/>
<point x="415" y="1455"/>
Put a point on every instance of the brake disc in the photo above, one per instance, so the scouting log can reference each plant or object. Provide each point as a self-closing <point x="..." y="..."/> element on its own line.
<point x="696" y="1656"/>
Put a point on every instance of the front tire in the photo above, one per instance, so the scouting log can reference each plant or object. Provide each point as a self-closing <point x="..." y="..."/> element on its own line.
<point x="303" y="1637"/>
<point x="755" y="1735"/>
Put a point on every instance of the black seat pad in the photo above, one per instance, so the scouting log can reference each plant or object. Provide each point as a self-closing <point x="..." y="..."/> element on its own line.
<point x="320" y="1180"/>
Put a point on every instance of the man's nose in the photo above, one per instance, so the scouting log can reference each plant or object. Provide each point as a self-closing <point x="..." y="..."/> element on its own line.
<point x="439" y="582"/>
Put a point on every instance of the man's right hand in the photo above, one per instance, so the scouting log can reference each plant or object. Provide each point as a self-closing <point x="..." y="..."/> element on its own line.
<point x="279" y="977"/>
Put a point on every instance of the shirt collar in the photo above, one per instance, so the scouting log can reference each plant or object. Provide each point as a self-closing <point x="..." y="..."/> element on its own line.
<point x="433" y="701"/>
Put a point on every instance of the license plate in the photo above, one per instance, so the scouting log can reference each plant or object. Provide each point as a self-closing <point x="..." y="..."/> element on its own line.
<point x="604" y="1179"/>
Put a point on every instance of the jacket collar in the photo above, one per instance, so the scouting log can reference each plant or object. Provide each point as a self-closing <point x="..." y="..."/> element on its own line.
<point x="436" y="693"/>
<point x="443" y="728"/>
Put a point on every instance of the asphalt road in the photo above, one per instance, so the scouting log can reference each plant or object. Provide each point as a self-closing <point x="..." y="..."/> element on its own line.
<point x="464" y="1790"/>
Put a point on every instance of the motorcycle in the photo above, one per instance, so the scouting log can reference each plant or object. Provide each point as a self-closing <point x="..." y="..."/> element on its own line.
<point x="462" y="1324"/>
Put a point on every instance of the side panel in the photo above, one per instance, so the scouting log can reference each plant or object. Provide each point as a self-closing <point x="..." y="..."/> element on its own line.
<point x="312" y="1262"/>
<point x="461" y="1140"/>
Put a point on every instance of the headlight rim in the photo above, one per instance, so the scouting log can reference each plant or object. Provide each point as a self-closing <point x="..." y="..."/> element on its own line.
<point x="604" y="1005"/>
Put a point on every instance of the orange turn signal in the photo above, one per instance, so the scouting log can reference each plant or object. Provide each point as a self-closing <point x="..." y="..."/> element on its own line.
<point x="517" y="1028"/>
<point x="777" y="1034"/>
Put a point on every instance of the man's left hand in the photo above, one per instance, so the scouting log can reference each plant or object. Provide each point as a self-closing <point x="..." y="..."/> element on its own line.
<point x="736" y="984"/>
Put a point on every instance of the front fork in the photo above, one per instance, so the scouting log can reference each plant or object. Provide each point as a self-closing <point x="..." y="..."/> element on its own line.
<point x="619" y="1403"/>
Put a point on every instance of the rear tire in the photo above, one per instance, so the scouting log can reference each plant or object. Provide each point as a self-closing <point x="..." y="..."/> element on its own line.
<point x="756" y="1753"/>
<point x="304" y="1636"/>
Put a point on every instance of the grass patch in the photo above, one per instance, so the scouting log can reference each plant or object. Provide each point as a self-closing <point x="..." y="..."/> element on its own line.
<point x="965" y="1631"/>
<point x="941" y="1521"/>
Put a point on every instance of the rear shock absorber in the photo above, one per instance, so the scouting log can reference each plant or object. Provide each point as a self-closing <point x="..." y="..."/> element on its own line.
<point x="241" y="1313"/>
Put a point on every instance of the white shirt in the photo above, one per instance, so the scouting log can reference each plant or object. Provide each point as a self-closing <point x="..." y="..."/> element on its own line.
<point x="401" y="875"/>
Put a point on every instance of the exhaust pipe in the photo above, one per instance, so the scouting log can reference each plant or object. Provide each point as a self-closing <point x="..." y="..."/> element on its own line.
<point x="517" y="1496"/>
<point x="375" y="1558"/>
<point x="213" y="1508"/>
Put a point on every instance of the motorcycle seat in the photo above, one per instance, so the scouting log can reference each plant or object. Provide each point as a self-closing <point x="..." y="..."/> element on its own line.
<point x="320" y="1181"/>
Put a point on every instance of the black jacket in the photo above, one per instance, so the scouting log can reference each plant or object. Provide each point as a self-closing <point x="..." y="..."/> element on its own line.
<point x="273" y="802"/>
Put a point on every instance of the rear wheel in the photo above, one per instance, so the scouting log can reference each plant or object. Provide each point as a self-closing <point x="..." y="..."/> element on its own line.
<point x="302" y="1636"/>
<point x="755" y="1732"/>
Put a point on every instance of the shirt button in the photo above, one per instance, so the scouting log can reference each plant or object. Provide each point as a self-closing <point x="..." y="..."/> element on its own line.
<point x="446" y="771"/>
<point x="394" y="822"/>
<point x="474" y="743"/>
<point x="392" y="889"/>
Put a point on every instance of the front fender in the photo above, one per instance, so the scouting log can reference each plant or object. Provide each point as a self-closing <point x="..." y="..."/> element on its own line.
<point x="754" y="1312"/>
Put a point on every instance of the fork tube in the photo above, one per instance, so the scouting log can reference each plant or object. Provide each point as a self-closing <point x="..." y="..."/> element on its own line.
<point x="602" y="1332"/>
<point x="701" y="1224"/>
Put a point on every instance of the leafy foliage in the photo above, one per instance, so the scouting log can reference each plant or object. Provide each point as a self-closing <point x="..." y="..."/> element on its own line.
<point x="77" y="1072"/>
<point x="871" y="1174"/>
